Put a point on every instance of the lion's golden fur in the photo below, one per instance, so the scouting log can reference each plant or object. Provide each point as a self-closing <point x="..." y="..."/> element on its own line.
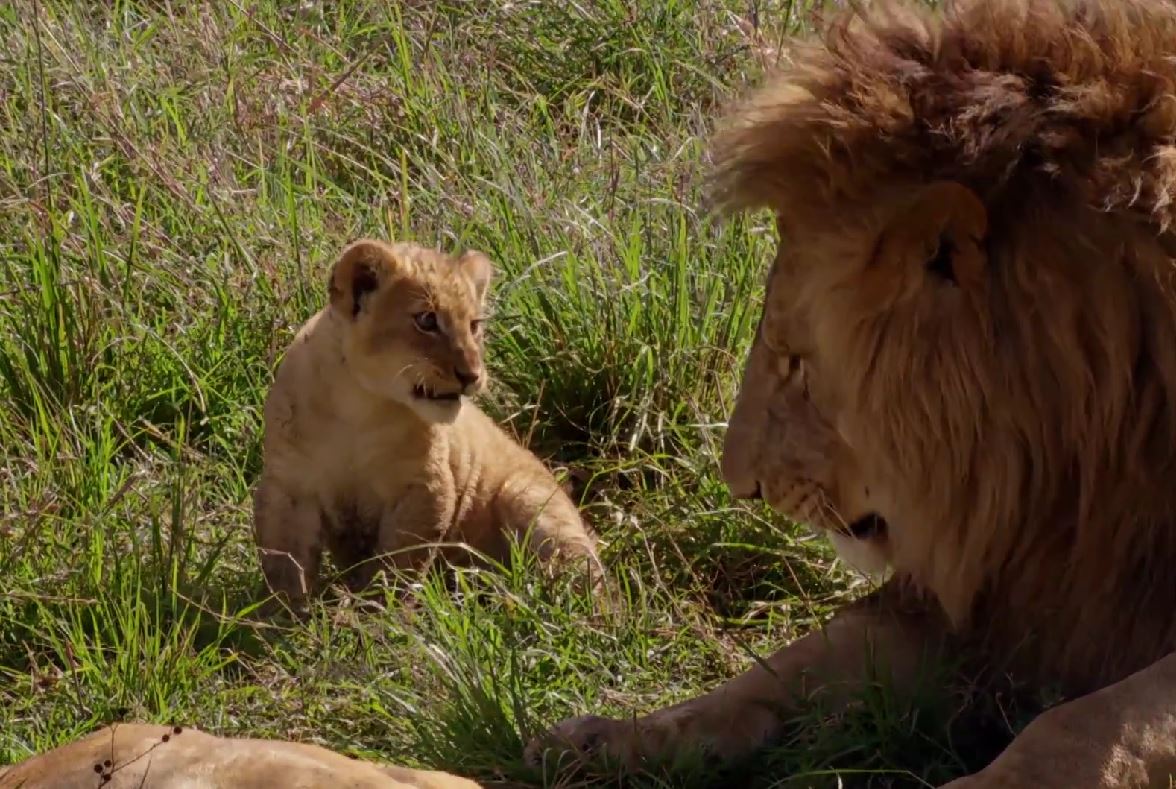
<point x="1037" y="442"/>
<point x="150" y="756"/>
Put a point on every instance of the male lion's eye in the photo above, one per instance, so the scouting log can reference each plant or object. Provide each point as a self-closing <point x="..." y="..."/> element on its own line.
<point x="426" y="321"/>
<point x="476" y="325"/>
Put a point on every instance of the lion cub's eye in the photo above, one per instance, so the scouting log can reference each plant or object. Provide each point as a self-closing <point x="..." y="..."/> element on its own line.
<point x="426" y="321"/>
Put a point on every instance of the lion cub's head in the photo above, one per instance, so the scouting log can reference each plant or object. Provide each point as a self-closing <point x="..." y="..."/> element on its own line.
<point x="412" y="321"/>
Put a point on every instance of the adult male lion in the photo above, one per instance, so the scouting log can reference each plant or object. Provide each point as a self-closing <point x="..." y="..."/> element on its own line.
<point x="968" y="348"/>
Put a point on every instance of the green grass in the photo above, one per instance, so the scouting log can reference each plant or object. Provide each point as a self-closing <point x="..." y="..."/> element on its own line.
<point x="174" y="181"/>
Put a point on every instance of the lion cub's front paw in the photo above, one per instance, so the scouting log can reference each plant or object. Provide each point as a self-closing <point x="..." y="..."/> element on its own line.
<point x="586" y="738"/>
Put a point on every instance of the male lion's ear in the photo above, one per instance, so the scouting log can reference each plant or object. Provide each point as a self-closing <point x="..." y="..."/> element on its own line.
<point x="478" y="268"/>
<point x="361" y="267"/>
<point x="941" y="229"/>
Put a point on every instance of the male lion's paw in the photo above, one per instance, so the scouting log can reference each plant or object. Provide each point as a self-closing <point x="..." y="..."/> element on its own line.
<point x="585" y="738"/>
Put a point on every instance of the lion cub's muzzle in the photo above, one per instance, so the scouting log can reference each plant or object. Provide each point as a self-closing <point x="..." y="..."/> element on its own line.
<point x="469" y="383"/>
<point x="422" y="392"/>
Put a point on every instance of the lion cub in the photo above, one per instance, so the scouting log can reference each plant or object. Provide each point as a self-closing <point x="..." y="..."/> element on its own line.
<point x="371" y="448"/>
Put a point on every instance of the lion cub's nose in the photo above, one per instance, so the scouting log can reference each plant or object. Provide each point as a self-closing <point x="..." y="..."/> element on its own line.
<point x="466" y="378"/>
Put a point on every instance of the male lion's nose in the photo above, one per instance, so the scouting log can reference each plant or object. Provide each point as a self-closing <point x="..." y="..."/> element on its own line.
<point x="466" y="378"/>
<point x="739" y="471"/>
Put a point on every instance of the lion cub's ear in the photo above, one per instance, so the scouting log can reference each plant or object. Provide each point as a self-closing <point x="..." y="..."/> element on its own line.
<point x="478" y="267"/>
<point x="941" y="229"/>
<point x="362" y="266"/>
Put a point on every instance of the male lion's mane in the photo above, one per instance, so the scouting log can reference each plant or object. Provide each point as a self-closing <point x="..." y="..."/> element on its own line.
<point x="1047" y="443"/>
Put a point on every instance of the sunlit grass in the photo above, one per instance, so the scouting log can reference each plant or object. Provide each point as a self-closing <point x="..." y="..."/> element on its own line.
<point x="174" y="182"/>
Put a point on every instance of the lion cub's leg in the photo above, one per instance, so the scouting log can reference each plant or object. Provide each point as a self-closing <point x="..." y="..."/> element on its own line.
<point x="552" y="527"/>
<point x="407" y="534"/>
<point x="288" y="530"/>
<point x="877" y="639"/>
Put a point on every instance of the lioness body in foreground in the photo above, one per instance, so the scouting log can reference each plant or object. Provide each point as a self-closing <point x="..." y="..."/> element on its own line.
<point x="148" y="756"/>
<point x="968" y="352"/>
<point x="370" y="448"/>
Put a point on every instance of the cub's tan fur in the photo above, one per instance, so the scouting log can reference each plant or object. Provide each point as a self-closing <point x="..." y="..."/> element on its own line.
<point x="967" y="352"/>
<point x="148" y="756"/>
<point x="371" y="447"/>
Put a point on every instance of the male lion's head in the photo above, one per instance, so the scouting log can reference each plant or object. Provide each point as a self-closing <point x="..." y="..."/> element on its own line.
<point x="411" y="321"/>
<point x="967" y="352"/>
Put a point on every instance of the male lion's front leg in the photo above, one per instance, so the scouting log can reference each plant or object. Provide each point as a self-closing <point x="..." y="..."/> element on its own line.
<point x="1123" y="735"/>
<point x="882" y="638"/>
